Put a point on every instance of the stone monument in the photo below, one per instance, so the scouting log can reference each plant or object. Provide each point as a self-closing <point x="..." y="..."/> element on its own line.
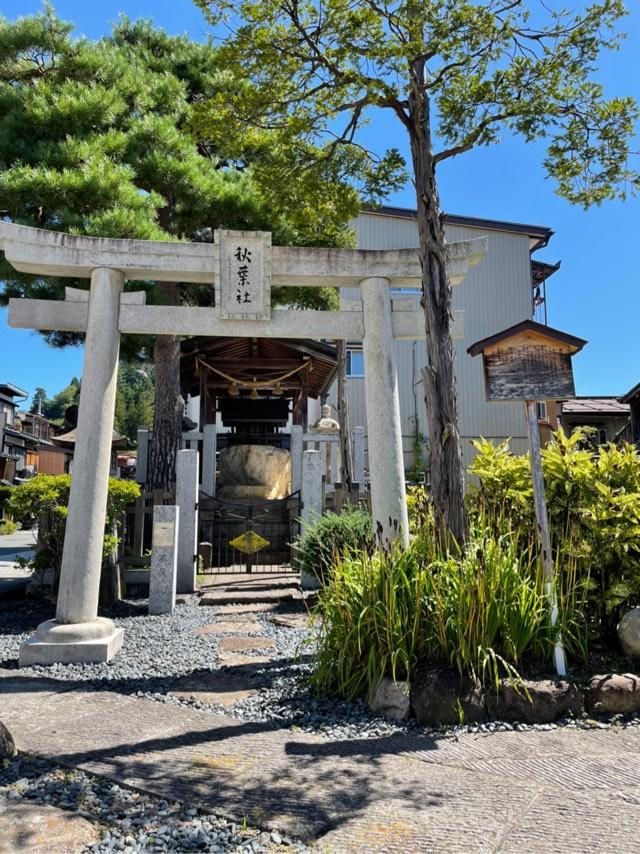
<point x="254" y="471"/>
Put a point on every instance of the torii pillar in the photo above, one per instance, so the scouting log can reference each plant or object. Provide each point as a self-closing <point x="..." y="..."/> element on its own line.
<point x="77" y="634"/>
<point x="242" y="266"/>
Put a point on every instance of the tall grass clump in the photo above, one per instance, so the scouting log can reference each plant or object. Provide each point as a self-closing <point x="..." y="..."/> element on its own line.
<point x="480" y="611"/>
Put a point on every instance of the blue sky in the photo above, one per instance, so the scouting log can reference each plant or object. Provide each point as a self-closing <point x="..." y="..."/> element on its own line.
<point x="596" y="293"/>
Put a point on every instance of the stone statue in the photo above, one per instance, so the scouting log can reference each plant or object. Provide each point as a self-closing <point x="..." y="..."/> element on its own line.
<point x="326" y="424"/>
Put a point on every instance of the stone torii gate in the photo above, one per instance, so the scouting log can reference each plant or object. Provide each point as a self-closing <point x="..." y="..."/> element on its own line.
<point x="242" y="266"/>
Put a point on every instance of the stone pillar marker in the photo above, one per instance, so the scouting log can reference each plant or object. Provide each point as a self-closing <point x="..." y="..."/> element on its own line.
<point x="297" y="445"/>
<point x="386" y="462"/>
<point x="358" y="455"/>
<point x="164" y="559"/>
<point x="187" y="500"/>
<point x="209" y="447"/>
<point x="142" y="457"/>
<point x="311" y="486"/>
<point x="77" y="634"/>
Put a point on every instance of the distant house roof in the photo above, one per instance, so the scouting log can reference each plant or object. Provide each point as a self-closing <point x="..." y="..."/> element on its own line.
<point x="12" y="390"/>
<point x="595" y="406"/>
<point x="539" y="235"/>
<point x="527" y="326"/>
<point x="69" y="440"/>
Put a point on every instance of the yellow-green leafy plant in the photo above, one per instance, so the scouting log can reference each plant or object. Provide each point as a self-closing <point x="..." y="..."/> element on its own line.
<point x="46" y="498"/>
<point x="593" y="501"/>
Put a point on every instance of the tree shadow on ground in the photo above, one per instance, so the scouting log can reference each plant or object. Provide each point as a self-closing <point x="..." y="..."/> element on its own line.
<point x="248" y="769"/>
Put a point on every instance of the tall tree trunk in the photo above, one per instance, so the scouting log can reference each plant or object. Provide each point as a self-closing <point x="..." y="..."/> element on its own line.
<point x="168" y="407"/>
<point x="447" y="478"/>
<point x="346" y="455"/>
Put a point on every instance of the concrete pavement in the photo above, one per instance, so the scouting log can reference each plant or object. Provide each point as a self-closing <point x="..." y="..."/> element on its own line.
<point x="564" y="789"/>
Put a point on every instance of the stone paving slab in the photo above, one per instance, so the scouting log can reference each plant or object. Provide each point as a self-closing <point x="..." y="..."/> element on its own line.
<point x="565" y="790"/>
<point x="42" y="829"/>
<point x="242" y="644"/>
<point x="226" y="627"/>
<point x="225" y="686"/>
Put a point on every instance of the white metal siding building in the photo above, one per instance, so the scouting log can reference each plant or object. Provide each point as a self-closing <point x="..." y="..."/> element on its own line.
<point x="496" y="294"/>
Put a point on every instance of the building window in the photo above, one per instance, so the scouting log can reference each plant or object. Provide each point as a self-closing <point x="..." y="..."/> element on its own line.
<point x="355" y="363"/>
<point x="406" y="292"/>
<point x="543" y="415"/>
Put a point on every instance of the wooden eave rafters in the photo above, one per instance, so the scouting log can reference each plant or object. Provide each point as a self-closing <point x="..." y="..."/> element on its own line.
<point x="259" y="359"/>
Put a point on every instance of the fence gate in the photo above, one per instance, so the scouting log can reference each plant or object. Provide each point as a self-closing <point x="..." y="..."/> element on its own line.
<point x="256" y="537"/>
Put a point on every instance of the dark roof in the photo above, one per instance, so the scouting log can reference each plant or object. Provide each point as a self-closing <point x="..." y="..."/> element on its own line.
<point x="541" y="234"/>
<point x="527" y="326"/>
<point x="631" y="395"/>
<point x="20" y="434"/>
<point x="68" y="440"/>
<point x="13" y="390"/>
<point x="541" y="270"/>
<point x="595" y="406"/>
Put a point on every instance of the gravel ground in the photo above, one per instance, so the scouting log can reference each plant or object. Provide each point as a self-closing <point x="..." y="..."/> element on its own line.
<point x="129" y="821"/>
<point x="157" y="650"/>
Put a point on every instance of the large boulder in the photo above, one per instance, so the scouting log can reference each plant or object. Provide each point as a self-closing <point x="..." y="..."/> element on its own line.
<point x="256" y="466"/>
<point x="439" y="696"/>
<point x="7" y="744"/>
<point x="391" y="699"/>
<point x="615" y="693"/>
<point x="533" y="702"/>
<point x="629" y="633"/>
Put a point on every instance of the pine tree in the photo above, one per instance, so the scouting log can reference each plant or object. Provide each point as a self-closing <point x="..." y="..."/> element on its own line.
<point x="38" y="401"/>
<point x="121" y="138"/>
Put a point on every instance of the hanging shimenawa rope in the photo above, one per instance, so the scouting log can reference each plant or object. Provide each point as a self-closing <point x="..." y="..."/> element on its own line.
<point x="268" y="383"/>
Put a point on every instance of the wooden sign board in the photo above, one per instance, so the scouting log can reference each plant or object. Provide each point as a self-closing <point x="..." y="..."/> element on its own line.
<point x="528" y="372"/>
<point x="244" y="286"/>
<point x="529" y="361"/>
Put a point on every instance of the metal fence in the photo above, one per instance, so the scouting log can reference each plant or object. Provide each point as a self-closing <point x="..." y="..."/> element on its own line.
<point x="256" y="537"/>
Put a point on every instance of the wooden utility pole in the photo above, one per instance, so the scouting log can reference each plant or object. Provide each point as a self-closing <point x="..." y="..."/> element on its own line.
<point x="544" y="539"/>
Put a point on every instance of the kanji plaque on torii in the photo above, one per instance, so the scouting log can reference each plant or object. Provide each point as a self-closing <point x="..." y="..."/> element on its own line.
<point x="243" y="289"/>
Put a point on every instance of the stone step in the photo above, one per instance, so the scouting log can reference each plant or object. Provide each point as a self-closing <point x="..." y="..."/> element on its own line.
<point x="241" y="597"/>
<point x="247" y="584"/>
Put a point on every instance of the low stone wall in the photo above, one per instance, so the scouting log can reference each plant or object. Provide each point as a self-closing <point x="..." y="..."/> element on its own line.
<point x="437" y="696"/>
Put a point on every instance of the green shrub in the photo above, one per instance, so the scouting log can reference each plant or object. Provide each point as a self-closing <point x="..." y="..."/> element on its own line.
<point x="481" y="611"/>
<point x="5" y="495"/>
<point x="333" y="535"/>
<point x="7" y="527"/>
<point x="593" y="500"/>
<point x="45" y="497"/>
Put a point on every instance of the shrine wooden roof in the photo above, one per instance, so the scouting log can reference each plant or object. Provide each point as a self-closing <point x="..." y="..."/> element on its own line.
<point x="258" y="359"/>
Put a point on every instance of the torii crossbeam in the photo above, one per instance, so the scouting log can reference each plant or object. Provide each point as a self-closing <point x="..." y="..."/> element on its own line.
<point x="242" y="267"/>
